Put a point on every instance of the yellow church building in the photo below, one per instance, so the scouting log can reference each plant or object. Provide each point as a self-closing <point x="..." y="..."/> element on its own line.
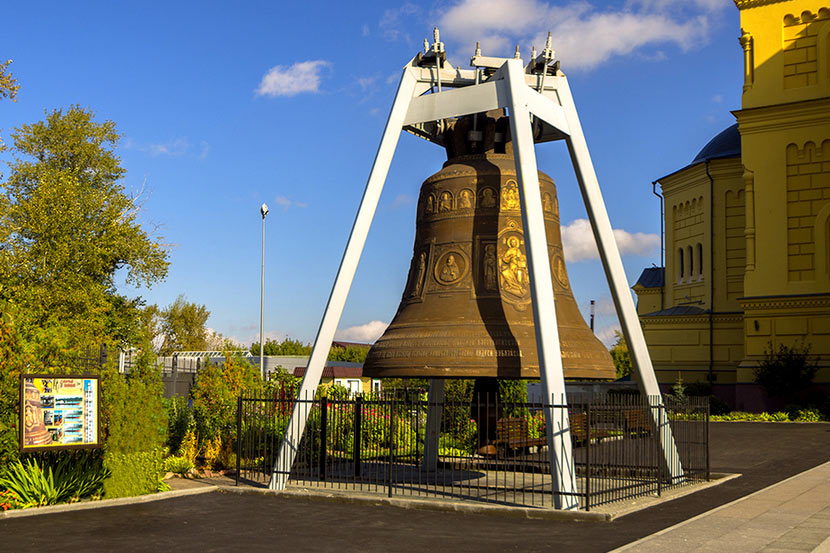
<point x="747" y="222"/>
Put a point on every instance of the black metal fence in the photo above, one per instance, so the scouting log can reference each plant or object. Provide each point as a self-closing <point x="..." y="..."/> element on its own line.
<point x="487" y="450"/>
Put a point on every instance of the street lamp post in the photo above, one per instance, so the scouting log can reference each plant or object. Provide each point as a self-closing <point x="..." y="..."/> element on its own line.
<point x="264" y="211"/>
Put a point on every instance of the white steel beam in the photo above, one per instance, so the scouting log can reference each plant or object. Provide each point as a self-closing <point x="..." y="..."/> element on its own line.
<point x="560" y="449"/>
<point x="456" y="102"/>
<point x="614" y="272"/>
<point x="343" y="281"/>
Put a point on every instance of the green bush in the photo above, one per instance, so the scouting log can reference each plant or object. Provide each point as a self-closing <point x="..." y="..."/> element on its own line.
<point x="54" y="478"/>
<point x="807" y="415"/>
<point x="215" y="396"/>
<point x="178" y="465"/>
<point x="798" y="415"/>
<point x="135" y="473"/>
<point x="179" y="420"/>
<point x="786" y="371"/>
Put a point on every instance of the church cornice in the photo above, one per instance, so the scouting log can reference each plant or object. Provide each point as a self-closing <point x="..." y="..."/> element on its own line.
<point x="702" y="319"/>
<point x="811" y="301"/>
<point x="783" y="116"/>
<point x="747" y="4"/>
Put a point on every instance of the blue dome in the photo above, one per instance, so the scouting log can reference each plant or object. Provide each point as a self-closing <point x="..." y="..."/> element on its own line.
<point x="726" y="144"/>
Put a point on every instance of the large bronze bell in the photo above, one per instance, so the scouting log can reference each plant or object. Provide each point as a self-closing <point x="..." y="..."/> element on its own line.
<point x="465" y="310"/>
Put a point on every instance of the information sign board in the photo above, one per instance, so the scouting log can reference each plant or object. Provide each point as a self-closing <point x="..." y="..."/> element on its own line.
<point x="59" y="412"/>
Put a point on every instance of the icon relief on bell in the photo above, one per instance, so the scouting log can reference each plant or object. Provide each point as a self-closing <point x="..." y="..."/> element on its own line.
<point x="489" y="269"/>
<point x="418" y="283"/>
<point x="559" y="271"/>
<point x="513" y="267"/>
<point x="450" y="268"/>
<point x="488" y="198"/>
<point x="510" y="196"/>
<point x="430" y="207"/>
<point x="465" y="199"/>
<point x="445" y="202"/>
<point x="547" y="205"/>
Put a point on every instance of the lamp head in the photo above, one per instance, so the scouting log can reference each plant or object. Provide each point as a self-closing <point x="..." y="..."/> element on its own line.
<point x="263" y="210"/>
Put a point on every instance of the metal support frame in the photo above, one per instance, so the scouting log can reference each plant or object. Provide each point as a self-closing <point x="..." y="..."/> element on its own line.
<point x="526" y="93"/>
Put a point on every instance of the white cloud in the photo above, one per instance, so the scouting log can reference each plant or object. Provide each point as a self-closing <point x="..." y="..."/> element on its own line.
<point x="391" y="27"/>
<point x="175" y="147"/>
<point x="579" y="245"/>
<point x="205" y="149"/>
<point x="366" y="82"/>
<point x="285" y="203"/>
<point x="608" y="335"/>
<point x="402" y="200"/>
<point x="253" y="335"/>
<point x="289" y="80"/>
<point x="584" y="35"/>
<point x="365" y="29"/>
<point x="368" y="332"/>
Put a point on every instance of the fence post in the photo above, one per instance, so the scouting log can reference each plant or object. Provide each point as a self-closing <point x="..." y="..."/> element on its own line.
<point x="238" y="437"/>
<point x="660" y="439"/>
<point x="706" y="438"/>
<point x="391" y="446"/>
<point x="356" y="445"/>
<point x="323" y="435"/>
<point x="175" y="372"/>
<point x="588" y="457"/>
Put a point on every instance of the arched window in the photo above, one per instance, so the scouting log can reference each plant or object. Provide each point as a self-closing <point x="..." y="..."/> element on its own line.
<point x="700" y="260"/>
<point x="681" y="273"/>
<point x="691" y="263"/>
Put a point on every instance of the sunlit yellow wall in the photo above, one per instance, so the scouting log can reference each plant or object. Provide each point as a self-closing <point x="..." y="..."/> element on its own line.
<point x="785" y="129"/>
<point x="769" y="216"/>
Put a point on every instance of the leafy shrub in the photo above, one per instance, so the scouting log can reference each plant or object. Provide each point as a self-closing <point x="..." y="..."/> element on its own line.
<point x="215" y="395"/>
<point x="12" y="361"/>
<point x="800" y="415"/>
<point x="190" y="446"/>
<point x="49" y="482"/>
<point x="9" y="501"/>
<point x="786" y="371"/>
<point x="536" y="425"/>
<point x="807" y="415"/>
<point x="179" y="420"/>
<point x="218" y="453"/>
<point x="178" y="465"/>
<point x="135" y="473"/>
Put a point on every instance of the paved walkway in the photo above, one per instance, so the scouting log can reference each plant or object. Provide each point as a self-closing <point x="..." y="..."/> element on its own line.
<point x="792" y="515"/>
<point x="765" y="454"/>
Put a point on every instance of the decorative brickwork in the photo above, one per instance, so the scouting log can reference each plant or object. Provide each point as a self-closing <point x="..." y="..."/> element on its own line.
<point x="808" y="191"/>
<point x="735" y="228"/>
<point x="800" y="47"/>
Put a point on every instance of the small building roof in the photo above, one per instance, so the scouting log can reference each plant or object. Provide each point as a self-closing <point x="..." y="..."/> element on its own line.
<point x="209" y="354"/>
<point x="342" y="344"/>
<point x="678" y="310"/>
<point x="726" y="143"/>
<point x="336" y="371"/>
<point x="653" y="277"/>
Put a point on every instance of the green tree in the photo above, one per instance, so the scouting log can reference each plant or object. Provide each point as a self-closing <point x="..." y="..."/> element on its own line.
<point x="8" y="84"/>
<point x="350" y="354"/>
<point x="67" y="227"/>
<point x="184" y="326"/>
<point x="620" y="356"/>
<point x="286" y="347"/>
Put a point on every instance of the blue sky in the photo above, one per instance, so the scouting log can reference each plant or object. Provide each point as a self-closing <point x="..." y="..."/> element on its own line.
<point x="224" y="106"/>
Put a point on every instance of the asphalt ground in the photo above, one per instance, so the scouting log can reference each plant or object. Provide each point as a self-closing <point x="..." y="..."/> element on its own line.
<point x="764" y="453"/>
